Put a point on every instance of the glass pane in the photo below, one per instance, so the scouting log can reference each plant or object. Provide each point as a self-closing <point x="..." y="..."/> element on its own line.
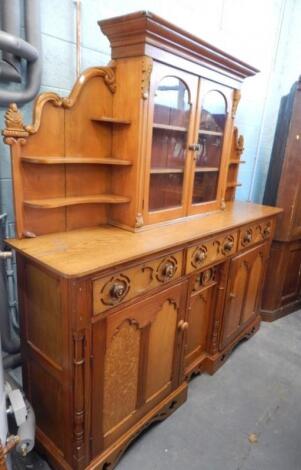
<point x="210" y="140"/>
<point x="171" y="120"/>
<point x="204" y="188"/>
<point x="165" y="190"/>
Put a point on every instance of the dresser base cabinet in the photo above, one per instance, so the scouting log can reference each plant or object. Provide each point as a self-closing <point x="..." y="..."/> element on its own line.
<point x="282" y="288"/>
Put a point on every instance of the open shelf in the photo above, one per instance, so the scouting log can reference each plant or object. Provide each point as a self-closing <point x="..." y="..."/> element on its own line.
<point x="163" y="171"/>
<point x="236" y="162"/>
<point x="233" y="185"/>
<point x="206" y="169"/>
<point x="111" y="120"/>
<point x="75" y="160"/>
<point x="167" y="127"/>
<point x="206" y="132"/>
<point x="52" y="203"/>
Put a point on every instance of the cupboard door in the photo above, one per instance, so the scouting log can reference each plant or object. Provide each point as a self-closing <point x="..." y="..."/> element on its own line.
<point x="136" y="357"/>
<point x="212" y="145"/>
<point x="173" y="97"/>
<point x="205" y="301"/>
<point x="244" y="287"/>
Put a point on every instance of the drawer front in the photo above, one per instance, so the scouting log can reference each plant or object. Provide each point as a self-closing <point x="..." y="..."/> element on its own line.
<point x="112" y="290"/>
<point x="210" y="251"/>
<point x="255" y="233"/>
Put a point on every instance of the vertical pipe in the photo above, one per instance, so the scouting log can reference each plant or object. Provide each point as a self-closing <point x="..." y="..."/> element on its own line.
<point x="78" y="36"/>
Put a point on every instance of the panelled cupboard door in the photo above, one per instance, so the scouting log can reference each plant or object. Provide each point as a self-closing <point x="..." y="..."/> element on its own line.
<point x="244" y="286"/>
<point x="170" y="130"/>
<point x="136" y="357"/>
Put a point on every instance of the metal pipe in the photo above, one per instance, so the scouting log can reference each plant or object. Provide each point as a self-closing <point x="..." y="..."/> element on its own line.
<point x="34" y="68"/>
<point x="12" y="361"/>
<point x="78" y="36"/>
<point x="10" y="66"/>
<point x="18" y="46"/>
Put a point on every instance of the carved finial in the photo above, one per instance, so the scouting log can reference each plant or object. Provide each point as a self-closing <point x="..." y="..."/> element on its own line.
<point x="223" y="204"/>
<point x="14" y="122"/>
<point x="139" y="220"/>
<point x="240" y="143"/>
<point x="236" y="99"/>
<point x="147" y="67"/>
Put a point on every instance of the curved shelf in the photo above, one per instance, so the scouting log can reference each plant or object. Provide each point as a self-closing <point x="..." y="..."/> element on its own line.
<point x="168" y="127"/>
<point x="75" y="160"/>
<point x="52" y="203"/>
<point x="204" y="131"/>
<point x="206" y="169"/>
<point x="111" y="120"/>
<point x="164" y="171"/>
<point x="236" y="162"/>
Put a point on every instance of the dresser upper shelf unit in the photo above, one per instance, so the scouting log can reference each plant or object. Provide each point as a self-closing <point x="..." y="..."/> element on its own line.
<point x="52" y="160"/>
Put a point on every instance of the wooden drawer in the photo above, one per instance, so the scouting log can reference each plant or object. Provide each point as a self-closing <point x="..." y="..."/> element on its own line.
<point x="111" y="290"/>
<point x="210" y="251"/>
<point x="255" y="233"/>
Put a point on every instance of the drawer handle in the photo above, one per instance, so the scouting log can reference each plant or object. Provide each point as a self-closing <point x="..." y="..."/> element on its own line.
<point x="183" y="325"/>
<point x="232" y="295"/>
<point x="247" y="237"/>
<point x="266" y="231"/>
<point x="168" y="270"/>
<point x="228" y="245"/>
<point x="200" y="256"/>
<point x="118" y="290"/>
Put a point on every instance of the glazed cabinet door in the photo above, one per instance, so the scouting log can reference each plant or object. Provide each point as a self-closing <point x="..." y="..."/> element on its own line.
<point x="136" y="357"/>
<point x="211" y="146"/>
<point x="243" y="291"/>
<point x="173" y="96"/>
<point x="206" y="295"/>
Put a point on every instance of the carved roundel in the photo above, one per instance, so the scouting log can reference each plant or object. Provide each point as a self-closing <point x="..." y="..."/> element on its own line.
<point x="228" y="245"/>
<point x="115" y="290"/>
<point x="167" y="269"/>
<point x="247" y="237"/>
<point x="198" y="256"/>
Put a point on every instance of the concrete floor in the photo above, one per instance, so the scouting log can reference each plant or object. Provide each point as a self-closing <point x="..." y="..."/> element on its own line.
<point x="258" y="391"/>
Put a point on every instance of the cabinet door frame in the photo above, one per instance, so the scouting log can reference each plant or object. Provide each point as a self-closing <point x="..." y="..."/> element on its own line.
<point x="140" y="314"/>
<point x="249" y="255"/>
<point x="161" y="71"/>
<point x="205" y="86"/>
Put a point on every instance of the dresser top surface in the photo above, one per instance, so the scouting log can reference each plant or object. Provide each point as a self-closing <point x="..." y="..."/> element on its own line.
<point x="81" y="252"/>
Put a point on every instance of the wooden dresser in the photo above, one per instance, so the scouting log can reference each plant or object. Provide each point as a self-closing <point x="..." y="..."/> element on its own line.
<point x="282" y="289"/>
<point x="136" y="267"/>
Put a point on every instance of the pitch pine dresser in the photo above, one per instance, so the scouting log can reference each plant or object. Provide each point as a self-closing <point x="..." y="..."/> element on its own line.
<point x="136" y="266"/>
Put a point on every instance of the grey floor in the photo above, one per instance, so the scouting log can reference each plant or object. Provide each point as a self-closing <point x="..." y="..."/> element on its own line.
<point x="257" y="391"/>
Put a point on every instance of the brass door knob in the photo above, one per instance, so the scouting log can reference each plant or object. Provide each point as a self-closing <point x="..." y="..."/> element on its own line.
<point x="183" y="325"/>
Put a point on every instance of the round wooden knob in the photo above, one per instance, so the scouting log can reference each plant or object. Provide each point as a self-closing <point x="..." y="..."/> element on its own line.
<point x="117" y="290"/>
<point x="200" y="256"/>
<point x="266" y="231"/>
<point x="183" y="325"/>
<point x="228" y="245"/>
<point x="168" y="270"/>
<point x="247" y="237"/>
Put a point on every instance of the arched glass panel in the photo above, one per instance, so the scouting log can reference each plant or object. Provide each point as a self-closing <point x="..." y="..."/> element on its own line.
<point x="170" y="127"/>
<point x="208" y="158"/>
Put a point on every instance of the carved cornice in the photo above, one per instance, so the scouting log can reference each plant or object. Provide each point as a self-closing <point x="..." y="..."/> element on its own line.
<point x="147" y="67"/>
<point x="236" y="99"/>
<point x="13" y="117"/>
